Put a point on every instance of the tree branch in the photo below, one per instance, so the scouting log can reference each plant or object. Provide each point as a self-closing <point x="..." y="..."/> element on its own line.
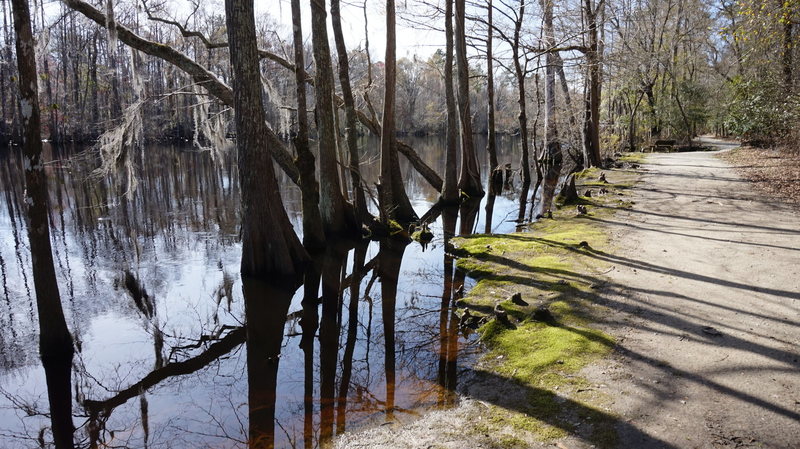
<point x="199" y="74"/>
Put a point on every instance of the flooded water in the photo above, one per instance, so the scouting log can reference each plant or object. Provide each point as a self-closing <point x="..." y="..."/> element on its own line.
<point x="150" y="287"/>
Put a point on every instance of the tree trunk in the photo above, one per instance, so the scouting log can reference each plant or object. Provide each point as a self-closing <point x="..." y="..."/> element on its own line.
<point x="450" y="188"/>
<point x="313" y="234"/>
<point x="469" y="178"/>
<point x="5" y="51"/>
<point x="655" y="129"/>
<point x="55" y="341"/>
<point x="632" y="123"/>
<point x="525" y="163"/>
<point x="592" y="124"/>
<point x="787" y="48"/>
<point x="45" y="75"/>
<point x="351" y="118"/>
<point x="491" y="146"/>
<point x="553" y="156"/>
<point x="573" y="122"/>
<point x="270" y="247"/>
<point x="113" y="52"/>
<point x="94" y="88"/>
<point x="331" y="204"/>
<point x="394" y="201"/>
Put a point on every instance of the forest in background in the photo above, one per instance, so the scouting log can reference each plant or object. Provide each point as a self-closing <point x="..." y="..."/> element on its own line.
<point x="665" y="69"/>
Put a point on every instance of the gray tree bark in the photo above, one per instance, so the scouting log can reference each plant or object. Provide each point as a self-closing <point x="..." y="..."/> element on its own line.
<point x="271" y="250"/>
<point x="553" y="156"/>
<point x="55" y="341"/>
<point x="313" y="234"/>
<point x="351" y="118"/>
<point x="593" y="61"/>
<point x="522" y="117"/>
<point x="331" y="201"/>
<point x="450" y="187"/>
<point x="491" y="140"/>
<point x="469" y="178"/>
<point x="395" y="204"/>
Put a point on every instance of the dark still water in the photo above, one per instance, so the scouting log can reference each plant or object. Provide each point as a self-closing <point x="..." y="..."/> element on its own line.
<point x="150" y="287"/>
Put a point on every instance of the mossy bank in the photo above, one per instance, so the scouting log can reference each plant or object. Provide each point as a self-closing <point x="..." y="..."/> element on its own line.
<point x="535" y="303"/>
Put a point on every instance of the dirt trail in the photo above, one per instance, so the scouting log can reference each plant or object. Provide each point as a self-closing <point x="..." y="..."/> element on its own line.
<point x="706" y="294"/>
<point x="704" y="302"/>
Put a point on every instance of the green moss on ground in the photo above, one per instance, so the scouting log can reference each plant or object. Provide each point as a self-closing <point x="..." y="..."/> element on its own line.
<point x="554" y="265"/>
<point x="633" y="158"/>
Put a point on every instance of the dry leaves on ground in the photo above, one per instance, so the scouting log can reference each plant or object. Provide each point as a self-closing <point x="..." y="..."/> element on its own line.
<point x="773" y="171"/>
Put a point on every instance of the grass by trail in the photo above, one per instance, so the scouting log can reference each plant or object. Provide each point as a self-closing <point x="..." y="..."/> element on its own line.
<point x="536" y="357"/>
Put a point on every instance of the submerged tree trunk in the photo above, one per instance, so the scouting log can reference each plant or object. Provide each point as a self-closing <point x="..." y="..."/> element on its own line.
<point x="351" y="118"/>
<point x="55" y="341"/>
<point x="450" y="187"/>
<point x="270" y="247"/>
<point x="334" y="258"/>
<point x="313" y="234"/>
<point x="395" y="204"/>
<point x="469" y="178"/>
<point x="265" y="314"/>
<point x="331" y="204"/>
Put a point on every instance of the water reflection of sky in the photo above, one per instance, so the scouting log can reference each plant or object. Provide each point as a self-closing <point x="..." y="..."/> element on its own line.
<point x="178" y="235"/>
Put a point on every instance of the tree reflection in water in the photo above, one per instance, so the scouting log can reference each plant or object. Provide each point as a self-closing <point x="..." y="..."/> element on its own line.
<point x="266" y="307"/>
<point x="170" y="368"/>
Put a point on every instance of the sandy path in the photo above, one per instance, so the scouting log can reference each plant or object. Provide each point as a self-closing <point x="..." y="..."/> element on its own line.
<point x="706" y="294"/>
<point x="704" y="300"/>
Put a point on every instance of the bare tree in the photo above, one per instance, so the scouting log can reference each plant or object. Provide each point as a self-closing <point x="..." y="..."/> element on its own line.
<point x="450" y="188"/>
<point x="553" y="156"/>
<point x="270" y="247"/>
<point x="313" y="233"/>
<point x="395" y="204"/>
<point x="469" y="178"/>
<point x="332" y="204"/>
<point x="351" y="118"/>
<point x="55" y="341"/>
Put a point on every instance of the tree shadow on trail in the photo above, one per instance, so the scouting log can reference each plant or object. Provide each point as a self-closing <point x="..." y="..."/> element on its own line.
<point x="731" y="223"/>
<point x="686" y="327"/>
<point x="591" y="425"/>
<point x="645" y="266"/>
<point x="699" y="237"/>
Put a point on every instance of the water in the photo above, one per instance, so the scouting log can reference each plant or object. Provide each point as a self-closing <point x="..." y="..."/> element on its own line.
<point x="172" y="371"/>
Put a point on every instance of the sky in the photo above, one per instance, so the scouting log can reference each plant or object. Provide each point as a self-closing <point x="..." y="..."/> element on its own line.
<point x="409" y="41"/>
